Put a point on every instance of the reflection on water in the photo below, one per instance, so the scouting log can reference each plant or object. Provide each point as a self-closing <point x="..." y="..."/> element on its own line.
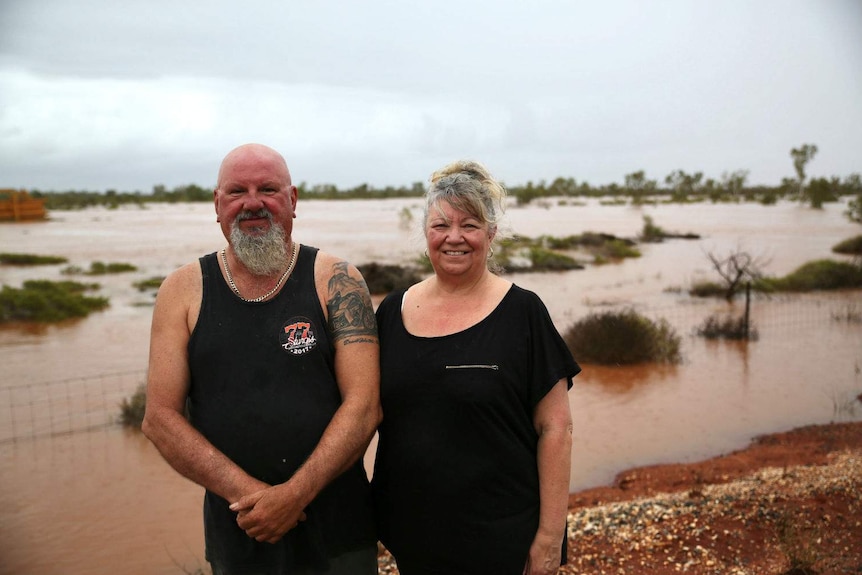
<point x="627" y="381"/>
<point x="104" y="501"/>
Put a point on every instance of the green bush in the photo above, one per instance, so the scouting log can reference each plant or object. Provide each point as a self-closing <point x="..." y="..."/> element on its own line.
<point x="851" y="246"/>
<point x="618" y="249"/>
<point x="564" y="243"/>
<point x="132" y="409"/>
<point x="101" y="268"/>
<point x="707" y="289"/>
<point x="150" y="283"/>
<point x="818" y="275"/>
<point x="652" y="232"/>
<point x="547" y="260"/>
<point x="47" y="301"/>
<point x="30" y="259"/>
<point x="543" y="251"/>
<point x="623" y="338"/>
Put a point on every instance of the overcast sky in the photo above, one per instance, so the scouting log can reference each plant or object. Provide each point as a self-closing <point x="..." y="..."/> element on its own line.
<point x="101" y="94"/>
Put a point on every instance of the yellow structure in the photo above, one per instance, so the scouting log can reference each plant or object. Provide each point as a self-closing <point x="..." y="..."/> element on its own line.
<point x="18" y="206"/>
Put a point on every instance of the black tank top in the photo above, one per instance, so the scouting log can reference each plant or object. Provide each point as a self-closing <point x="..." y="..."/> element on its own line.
<point x="263" y="390"/>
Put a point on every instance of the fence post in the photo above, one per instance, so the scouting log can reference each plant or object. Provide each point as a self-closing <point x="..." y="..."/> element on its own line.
<point x="747" y="310"/>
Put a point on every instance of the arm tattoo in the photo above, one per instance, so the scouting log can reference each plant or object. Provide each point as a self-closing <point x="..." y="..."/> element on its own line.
<point x="351" y="315"/>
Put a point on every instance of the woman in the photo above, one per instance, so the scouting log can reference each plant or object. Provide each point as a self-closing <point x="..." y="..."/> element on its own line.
<point x="473" y="460"/>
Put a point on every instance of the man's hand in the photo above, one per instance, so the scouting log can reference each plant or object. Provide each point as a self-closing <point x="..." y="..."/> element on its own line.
<point x="268" y="514"/>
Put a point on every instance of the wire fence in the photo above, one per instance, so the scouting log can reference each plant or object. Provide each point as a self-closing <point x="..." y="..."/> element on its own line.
<point x="79" y="404"/>
<point x="67" y="406"/>
<point x="767" y="314"/>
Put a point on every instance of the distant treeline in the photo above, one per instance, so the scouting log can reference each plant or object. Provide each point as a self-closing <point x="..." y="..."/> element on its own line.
<point x="678" y="186"/>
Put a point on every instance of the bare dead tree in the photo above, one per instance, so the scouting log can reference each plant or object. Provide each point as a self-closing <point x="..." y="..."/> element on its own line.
<point x="737" y="268"/>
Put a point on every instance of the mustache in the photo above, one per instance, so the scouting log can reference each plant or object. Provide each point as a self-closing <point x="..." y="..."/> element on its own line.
<point x="249" y="214"/>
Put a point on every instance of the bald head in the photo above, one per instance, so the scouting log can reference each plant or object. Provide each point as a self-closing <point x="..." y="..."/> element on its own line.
<point x="253" y="157"/>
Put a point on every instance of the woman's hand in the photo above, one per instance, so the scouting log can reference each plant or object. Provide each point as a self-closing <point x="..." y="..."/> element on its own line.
<point x="544" y="558"/>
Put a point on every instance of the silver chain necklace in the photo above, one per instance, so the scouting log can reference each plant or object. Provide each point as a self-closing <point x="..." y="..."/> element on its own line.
<point x="270" y="292"/>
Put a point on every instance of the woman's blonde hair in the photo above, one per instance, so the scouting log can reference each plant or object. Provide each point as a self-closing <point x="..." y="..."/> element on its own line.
<point x="469" y="187"/>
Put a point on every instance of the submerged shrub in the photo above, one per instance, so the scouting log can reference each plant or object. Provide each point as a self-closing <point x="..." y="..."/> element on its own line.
<point x="101" y="268"/>
<point x="651" y="232"/>
<point x="618" y="249"/>
<point x="849" y="313"/>
<point x="547" y="260"/>
<point x="850" y="246"/>
<point x="716" y="327"/>
<point x="819" y="275"/>
<point x="47" y="301"/>
<point x="132" y="409"/>
<point x="623" y="338"/>
<point x="30" y="259"/>
<point x="150" y="283"/>
<point x="707" y="289"/>
<point x="568" y="242"/>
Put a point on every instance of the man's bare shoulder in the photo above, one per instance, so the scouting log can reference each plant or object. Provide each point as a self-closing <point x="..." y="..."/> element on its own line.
<point x="326" y="260"/>
<point x="185" y="284"/>
<point x="328" y="267"/>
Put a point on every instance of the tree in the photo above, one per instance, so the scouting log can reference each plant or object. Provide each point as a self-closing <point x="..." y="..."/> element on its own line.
<point x="563" y="187"/>
<point x="801" y="156"/>
<point x="639" y="186"/>
<point x="735" y="268"/>
<point x="821" y="190"/>
<point x="683" y="185"/>
<point x="733" y="183"/>
<point x="854" y="210"/>
<point x="852" y="185"/>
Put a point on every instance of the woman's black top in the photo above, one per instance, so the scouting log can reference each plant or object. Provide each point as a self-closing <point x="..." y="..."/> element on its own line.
<point x="456" y="485"/>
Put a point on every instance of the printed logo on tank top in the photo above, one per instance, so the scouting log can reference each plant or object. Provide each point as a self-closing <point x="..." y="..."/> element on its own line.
<point x="297" y="336"/>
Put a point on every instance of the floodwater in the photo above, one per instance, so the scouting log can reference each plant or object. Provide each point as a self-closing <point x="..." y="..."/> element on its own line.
<point x="103" y="501"/>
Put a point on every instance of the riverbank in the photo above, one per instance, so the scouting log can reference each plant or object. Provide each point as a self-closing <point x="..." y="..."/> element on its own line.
<point x="790" y="503"/>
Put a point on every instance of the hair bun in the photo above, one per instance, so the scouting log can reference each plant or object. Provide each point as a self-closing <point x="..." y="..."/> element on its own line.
<point x="469" y="168"/>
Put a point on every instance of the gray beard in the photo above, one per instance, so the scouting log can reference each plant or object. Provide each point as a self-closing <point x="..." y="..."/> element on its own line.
<point x="263" y="255"/>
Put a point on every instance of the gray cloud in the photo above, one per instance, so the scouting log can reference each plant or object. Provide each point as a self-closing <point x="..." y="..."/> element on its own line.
<point x="97" y="94"/>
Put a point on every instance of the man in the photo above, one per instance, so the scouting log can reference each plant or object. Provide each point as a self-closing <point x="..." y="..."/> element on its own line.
<point x="272" y="347"/>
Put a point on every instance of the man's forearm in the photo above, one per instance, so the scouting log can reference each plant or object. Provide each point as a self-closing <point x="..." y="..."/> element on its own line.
<point x="195" y="458"/>
<point x="343" y="442"/>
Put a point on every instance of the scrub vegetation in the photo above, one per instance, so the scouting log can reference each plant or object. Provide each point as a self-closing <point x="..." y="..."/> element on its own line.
<point x="132" y="409"/>
<point x="739" y="269"/>
<point x="100" y="268"/>
<point x="727" y="327"/>
<point x="30" y="259"/>
<point x="637" y="189"/>
<point x="48" y="301"/>
<point x="623" y="338"/>
<point x="850" y="246"/>
<point x="817" y="275"/>
<point x="153" y="283"/>
<point x="651" y="233"/>
<point x="550" y="253"/>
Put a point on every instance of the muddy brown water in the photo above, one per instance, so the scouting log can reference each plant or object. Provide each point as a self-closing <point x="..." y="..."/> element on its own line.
<point x="103" y="501"/>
